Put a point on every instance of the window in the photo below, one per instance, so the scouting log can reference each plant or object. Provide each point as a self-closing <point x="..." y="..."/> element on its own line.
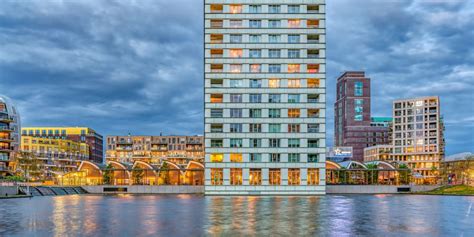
<point x="274" y="157"/>
<point x="313" y="143"/>
<point x="313" y="39"/>
<point x="235" y="127"/>
<point x="274" y="176"/>
<point x="274" y="98"/>
<point x="255" y="83"/>
<point x="293" y="38"/>
<point x="313" y="158"/>
<point x="293" y="128"/>
<point x="294" y="23"/>
<point x="235" y="98"/>
<point x="236" y="83"/>
<point x="274" y="53"/>
<point x="235" y="142"/>
<point x="254" y="157"/>
<point x="235" y="157"/>
<point x="293" y="157"/>
<point x="312" y="23"/>
<point x="358" y="109"/>
<point x="274" y="9"/>
<point x="234" y="9"/>
<point x="255" y="142"/>
<point x="274" y="23"/>
<point x="255" y="53"/>
<point x="312" y="9"/>
<point x="236" y="38"/>
<point x="293" y="98"/>
<point x="255" y="38"/>
<point x="293" y="9"/>
<point x="293" y="53"/>
<point x="255" y="177"/>
<point x="255" y="98"/>
<point x="216" y="98"/>
<point x="255" y="68"/>
<point x="313" y="176"/>
<point x="293" y="68"/>
<point x="358" y="88"/>
<point x="274" y="38"/>
<point x="274" y="68"/>
<point x="255" y="9"/>
<point x="217" y="67"/>
<point x="293" y="176"/>
<point x="235" y="53"/>
<point x="255" y="127"/>
<point x="216" y="128"/>
<point x="294" y="83"/>
<point x="217" y="23"/>
<point x="236" y="113"/>
<point x="217" y="53"/>
<point x="313" y="113"/>
<point x="313" y="53"/>
<point x="216" y="143"/>
<point x="274" y="127"/>
<point x="235" y="176"/>
<point x="235" y="23"/>
<point x="217" y="38"/>
<point x="236" y="68"/>
<point x="274" y="142"/>
<point x="255" y="24"/>
<point x="255" y="113"/>
<point x="217" y="176"/>
<point x="217" y="8"/>
<point x="216" y="83"/>
<point x="313" y="68"/>
<point x="293" y="113"/>
<point x="313" y="128"/>
<point x="313" y="98"/>
<point x="217" y="157"/>
<point x="274" y="113"/>
<point x="293" y="142"/>
<point x="274" y="83"/>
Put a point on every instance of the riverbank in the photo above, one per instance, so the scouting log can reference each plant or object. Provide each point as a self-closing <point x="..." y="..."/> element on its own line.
<point x="456" y="190"/>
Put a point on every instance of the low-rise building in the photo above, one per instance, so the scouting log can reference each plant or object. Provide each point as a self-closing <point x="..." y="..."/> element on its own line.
<point x="378" y="153"/>
<point x="458" y="169"/>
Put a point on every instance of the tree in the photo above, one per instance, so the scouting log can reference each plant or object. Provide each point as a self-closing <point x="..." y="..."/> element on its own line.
<point x="28" y="166"/>
<point x="373" y="173"/>
<point x="404" y="173"/>
<point x="137" y="175"/>
<point x="107" y="175"/>
<point x="165" y="173"/>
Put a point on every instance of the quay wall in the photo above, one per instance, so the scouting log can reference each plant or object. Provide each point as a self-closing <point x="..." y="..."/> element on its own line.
<point x="377" y="189"/>
<point x="144" y="189"/>
<point x="8" y="191"/>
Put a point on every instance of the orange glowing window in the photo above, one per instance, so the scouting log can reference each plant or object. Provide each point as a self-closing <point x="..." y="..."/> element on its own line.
<point x="236" y="157"/>
<point x="313" y="113"/>
<point x="312" y="23"/>
<point x="293" y="176"/>
<point x="313" y="68"/>
<point x="235" y="176"/>
<point x="216" y="8"/>
<point x="294" y="23"/>
<point x="216" y="98"/>
<point x="313" y="176"/>
<point x="217" y="157"/>
<point x="294" y="83"/>
<point x="217" y="38"/>
<point x="274" y="83"/>
<point x="236" y="53"/>
<point x="313" y="83"/>
<point x="217" y="176"/>
<point x="217" y="53"/>
<point x="255" y="176"/>
<point x="217" y="23"/>
<point x="293" y="113"/>
<point x="293" y="68"/>
<point x="217" y="68"/>
<point x="235" y="9"/>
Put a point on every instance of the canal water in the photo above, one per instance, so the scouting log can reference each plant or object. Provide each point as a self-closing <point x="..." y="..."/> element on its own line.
<point x="197" y="215"/>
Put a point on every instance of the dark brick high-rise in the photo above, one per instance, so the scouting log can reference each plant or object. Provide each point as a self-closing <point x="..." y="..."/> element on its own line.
<point x="352" y="118"/>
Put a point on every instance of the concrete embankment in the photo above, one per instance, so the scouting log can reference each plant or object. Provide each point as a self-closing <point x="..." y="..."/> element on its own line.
<point x="144" y="189"/>
<point x="377" y="189"/>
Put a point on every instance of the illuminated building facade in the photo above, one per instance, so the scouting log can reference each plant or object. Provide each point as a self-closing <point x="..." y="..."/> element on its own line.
<point x="78" y="134"/>
<point x="265" y="97"/>
<point x="155" y="149"/>
<point x="9" y="133"/>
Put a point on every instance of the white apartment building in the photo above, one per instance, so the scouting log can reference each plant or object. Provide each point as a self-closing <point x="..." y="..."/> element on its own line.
<point x="418" y="138"/>
<point x="265" y="96"/>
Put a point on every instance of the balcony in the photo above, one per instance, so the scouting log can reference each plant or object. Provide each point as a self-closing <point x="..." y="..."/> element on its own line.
<point x="6" y="129"/>
<point x="6" y="149"/>
<point x="5" y="118"/>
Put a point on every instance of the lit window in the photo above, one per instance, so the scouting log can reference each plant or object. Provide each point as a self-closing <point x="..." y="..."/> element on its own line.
<point x="313" y="68"/>
<point x="235" y="176"/>
<point x="255" y="177"/>
<point x="217" y="157"/>
<point x="217" y="176"/>
<point x="313" y="83"/>
<point x="235" y="23"/>
<point x="293" y="113"/>
<point x="358" y="109"/>
<point x="217" y="53"/>
<point x="294" y="23"/>
<point x="235" y="9"/>
<point x="358" y="88"/>
<point x="217" y="38"/>
<point x="313" y="176"/>
<point x="312" y="23"/>
<point x="217" y="68"/>
<point x="255" y="68"/>
<point x="293" y="68"/>
<point x="217" y="8"/>
<point x="294" y="83"/>
<point x="217" y="23"/>
<point x="236" y="68"/>
<point x="274" y="176"/>
<point x="313" y="113"/>
<point x="235" y="53"/>
<point x="216" y="98"/>
<point x="293" y="176"/>
<point x="235" y="157"/>
<point x="274" y="83"/>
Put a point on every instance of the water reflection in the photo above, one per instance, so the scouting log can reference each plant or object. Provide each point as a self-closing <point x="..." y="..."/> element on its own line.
<point x="196" y="215"/>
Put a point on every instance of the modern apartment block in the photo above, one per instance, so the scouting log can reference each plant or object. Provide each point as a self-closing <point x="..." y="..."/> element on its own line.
<point x="9" y="133"/>
<point x="265" y="97"/>
<point x="155" y="149"/>
<point x="77" y="134"/>
<point x="353" y="125"/>
<point x="418" y="134"/>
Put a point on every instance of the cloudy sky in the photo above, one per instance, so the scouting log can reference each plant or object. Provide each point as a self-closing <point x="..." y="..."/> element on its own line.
<point x="136" y="66"/>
